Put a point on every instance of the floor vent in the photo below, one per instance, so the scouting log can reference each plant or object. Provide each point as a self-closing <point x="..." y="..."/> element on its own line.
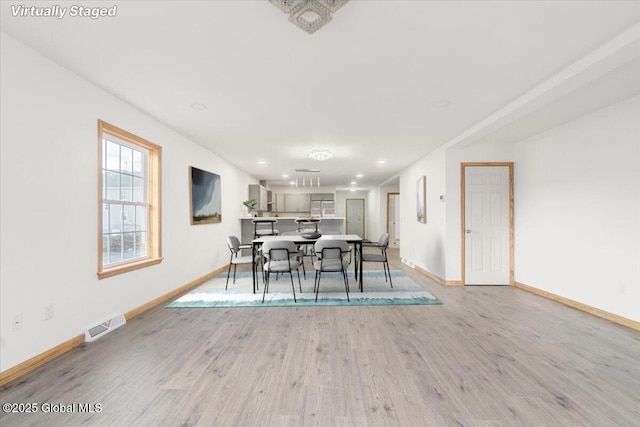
<point x="408" y="262"/>
<point x="94" y="332"/>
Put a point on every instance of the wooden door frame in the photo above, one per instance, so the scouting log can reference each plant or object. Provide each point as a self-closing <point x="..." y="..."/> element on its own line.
<point x="388" y="195"/>
<point x="364" y="214"/>
<point x="463" y="165"/>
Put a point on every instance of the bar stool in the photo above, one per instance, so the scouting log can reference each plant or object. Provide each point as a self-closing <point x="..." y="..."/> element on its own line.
<point x="308" y="224"/>
<point x="267" y="227"/>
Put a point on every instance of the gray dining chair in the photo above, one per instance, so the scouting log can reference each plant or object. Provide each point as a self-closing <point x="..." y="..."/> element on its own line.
<point x="382" y="244"/>
<point x="331" y="258"/>
<point x="235" y="247"/>
<point x="280" y="257"/>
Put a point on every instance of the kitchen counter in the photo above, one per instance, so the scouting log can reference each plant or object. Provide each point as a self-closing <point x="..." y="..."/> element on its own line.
<point x="327" y="225"/>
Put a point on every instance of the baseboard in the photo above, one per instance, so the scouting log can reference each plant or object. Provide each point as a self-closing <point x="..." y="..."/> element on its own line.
<point x="173" y="294"/>
<point x="580" y="306"/>
<point x="438" y="279"/>
<point x="42" y="358"/>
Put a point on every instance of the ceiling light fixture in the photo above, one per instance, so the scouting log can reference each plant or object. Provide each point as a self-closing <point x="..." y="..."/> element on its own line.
<point x="320" y="154"/>
<point x="310" y="15"/>
<point x="304" y="180"/>
<point x="382" y="162"/>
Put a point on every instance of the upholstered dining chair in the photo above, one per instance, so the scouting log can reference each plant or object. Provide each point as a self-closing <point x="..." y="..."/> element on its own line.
<point x="382" y="244"/>
<point x="330" y="255"/>
<point x="280" y="257"/>
<point x="299" y="254"/>
<point x="235" y="247"/>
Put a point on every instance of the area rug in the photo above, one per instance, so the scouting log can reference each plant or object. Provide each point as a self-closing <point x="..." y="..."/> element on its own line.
<point x="376" y="292"/>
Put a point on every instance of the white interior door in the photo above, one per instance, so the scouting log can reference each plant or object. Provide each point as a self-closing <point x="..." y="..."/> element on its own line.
<point x="393" y="220"/>
<point x="486" y="225"/>
<point x="355" y="217"/>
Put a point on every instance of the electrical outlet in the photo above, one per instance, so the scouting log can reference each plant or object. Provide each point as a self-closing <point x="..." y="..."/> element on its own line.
<point x="48" y="311"/>
<point x="16" y="322"/>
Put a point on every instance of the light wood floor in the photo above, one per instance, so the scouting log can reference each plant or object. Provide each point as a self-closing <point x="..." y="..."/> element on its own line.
<point x="489" y="356"/>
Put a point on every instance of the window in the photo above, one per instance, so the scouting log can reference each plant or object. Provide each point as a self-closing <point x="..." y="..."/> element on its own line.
<point x="129" y="213"/>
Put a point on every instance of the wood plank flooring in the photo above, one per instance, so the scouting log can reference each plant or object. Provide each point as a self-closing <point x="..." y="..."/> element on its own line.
<point x="489" y="356"/>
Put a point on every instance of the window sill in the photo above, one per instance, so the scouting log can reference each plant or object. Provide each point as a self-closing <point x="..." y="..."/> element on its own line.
<point x="120" y="269"/>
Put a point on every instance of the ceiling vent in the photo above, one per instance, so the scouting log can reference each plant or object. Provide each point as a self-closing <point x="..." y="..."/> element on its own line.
<point x="308" y="170"/>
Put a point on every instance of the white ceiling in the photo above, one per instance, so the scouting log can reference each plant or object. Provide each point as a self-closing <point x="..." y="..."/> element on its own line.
<point x="364" y="86"/>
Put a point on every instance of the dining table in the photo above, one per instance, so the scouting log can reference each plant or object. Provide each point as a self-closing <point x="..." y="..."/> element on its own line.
<point x="300" y="239"/>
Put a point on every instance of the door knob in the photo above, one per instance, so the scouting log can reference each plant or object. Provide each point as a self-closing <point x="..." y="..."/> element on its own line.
<point x="467" y="231"/>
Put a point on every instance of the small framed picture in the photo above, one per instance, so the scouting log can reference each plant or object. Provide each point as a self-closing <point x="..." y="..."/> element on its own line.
<point x="421" y="199"/>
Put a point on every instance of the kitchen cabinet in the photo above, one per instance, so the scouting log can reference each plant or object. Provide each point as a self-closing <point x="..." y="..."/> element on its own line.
<point x="295" y="202"/>
<point x="322" y="197"/>
<point x="278" y="202"/>
<point x="304" y="203"/>
<point x="259" y="193"/>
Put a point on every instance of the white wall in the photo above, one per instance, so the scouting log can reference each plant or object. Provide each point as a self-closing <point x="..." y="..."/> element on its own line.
<point x="376" y="208"/>
<point x="424" y="244"/>
<point x="49" y="206"/>
<point x="577" y="210"/>
<point x="392" y="187"/>
<point x="372" y="207"/>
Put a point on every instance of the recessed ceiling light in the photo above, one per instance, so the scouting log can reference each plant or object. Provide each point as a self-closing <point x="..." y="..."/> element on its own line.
<point x="284" y="175"/>
<point x="382" y="162"/>
<point x="359" y="175"/>
<point x="443" y="103"/>
<point x="353" y="183"/>
<point x="262" y="162"/>
<point x="352" y="189"/>
<point x="198" y="106"/>
<point x="292" y="182"/>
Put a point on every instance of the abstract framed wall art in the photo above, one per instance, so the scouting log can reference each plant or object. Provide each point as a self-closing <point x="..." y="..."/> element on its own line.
<point x="205" y="197"/>
<point x="421" y="199"/>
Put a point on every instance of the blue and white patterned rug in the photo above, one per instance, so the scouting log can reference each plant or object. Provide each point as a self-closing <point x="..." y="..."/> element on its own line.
<point x="332" y="292"/>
